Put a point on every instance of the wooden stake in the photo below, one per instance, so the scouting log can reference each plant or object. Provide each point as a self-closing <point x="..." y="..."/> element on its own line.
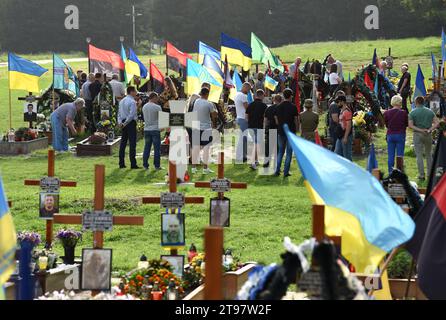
<point x="213" y="245"/>
<point x="319" y="222"/>
<point x="99" y="202"/>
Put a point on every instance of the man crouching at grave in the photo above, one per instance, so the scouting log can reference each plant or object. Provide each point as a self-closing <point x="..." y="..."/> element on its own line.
<point x="127" y="117"/>
<point x="206" y="112"/>
<point x="63" y="119"/>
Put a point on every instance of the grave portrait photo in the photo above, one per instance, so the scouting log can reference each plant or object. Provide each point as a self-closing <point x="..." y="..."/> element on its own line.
<point x="96" y="269"/>
<point x="220" y="213"/>
<point x="48" y="204"/>
<point x="30" y="112"/>
<point x="173" y="230"/>
<point x="177" y="263"/>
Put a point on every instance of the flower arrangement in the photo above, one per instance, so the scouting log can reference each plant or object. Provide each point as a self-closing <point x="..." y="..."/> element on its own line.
<point x="104" y="126"/>
<point x="158" y="271"/>
<point x="194" y="273"/>
<point x="25" y="134"/>
<point x="32" y="237"/>
<point x="69" y="238"/>
<point x="98" y="138"/>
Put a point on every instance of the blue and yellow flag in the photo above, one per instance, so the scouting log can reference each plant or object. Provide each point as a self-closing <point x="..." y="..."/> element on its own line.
<point x="357" y="208"/>
<point x="238" y="84"/>
<point x="142" y="68"/>
<point x="24" y="74"/>
<point x="196" y="76"/>
<point x="270" y="83"/>
<point x="7" y="239"/>
<point x="237" y="52"/>
<point x="204" y="49"/>
<point x="131" y="68"/>
<point x="214" y="69"/>
<point x="63" y="76"/>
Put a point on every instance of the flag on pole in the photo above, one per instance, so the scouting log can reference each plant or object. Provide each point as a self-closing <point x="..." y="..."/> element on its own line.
<point x="420" y="86"/>
<point x="8" y="239"/>
<point x="271" y="84"/>
<point x="177" y="60"/>
<point x="24" y="74"/>
<point x="238" y="83"/>
<point x="204" y="49"/>
<point x="196" y="76"/>
<point x="157" y="79"/>
<point x="214" y="69"/>
<point x="238" y="52"/>
<point x="434" y="67"/>
<point x="368" y="231"/>
<point x="106" y="62"/>
<point x="443" y="50"/>
<point x="64" y="77"/>
<point x="131" y="67"/>
<point x="377" y="86"/>
<point x="375" y="58"/>
<point x="261" y="53"/>
<point x="142" y="68"/>
<point x="228" y="79"/>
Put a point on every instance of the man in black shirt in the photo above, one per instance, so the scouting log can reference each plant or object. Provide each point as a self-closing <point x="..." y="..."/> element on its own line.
<point x="95" y="89"/>
<point x="270" y="125"/>
<point x="404" y="85"/>
<point x="255" y="114"/>
<point x="286" y="114"/>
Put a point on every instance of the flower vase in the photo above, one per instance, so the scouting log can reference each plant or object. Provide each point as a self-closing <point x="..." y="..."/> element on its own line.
<point x="68" y="258"/>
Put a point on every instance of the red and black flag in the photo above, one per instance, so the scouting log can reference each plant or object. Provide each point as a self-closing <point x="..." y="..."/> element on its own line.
<point x="157" y="79"/>
<point x="176" y="60"/>
<point x="439" y="163"/>
<point x="428" y="246"/>
<point x="105" y="62"/>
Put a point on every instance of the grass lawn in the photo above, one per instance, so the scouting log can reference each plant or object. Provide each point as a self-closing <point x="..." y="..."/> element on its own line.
<point x="262" y="216"/>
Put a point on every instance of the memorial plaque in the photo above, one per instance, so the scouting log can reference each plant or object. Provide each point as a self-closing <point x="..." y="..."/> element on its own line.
<point x="220" y="185"/>
<point x="173" y="200"/>
<point x="97" y="221"/>
<point x="176" y="120"/>
<point x="50" y="184"/>
<point x="396" y="190"/>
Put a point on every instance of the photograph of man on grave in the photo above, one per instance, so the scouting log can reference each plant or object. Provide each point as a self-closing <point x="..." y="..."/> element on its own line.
<point x="30" y="112"/>
<point x="220" y="213"/>
<point x="173" y="230"/>
<point x="177" y="264"/>
<point x="96" y="269"/>
<point x="49" y="205"/>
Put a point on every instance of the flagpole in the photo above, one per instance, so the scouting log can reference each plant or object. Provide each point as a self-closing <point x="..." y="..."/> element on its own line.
<point x="167" y="62"/>
<point x="10" y="102"/>
<point x="54" y="94"/>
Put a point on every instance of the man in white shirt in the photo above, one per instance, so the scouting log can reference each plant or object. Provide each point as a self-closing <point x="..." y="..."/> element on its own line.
<point x="127" y="117"/>
<point x="117" y="88"/>
<point x="152" y="134"/>
<point x="206" y="111"/>
<point x="241" y="104"/>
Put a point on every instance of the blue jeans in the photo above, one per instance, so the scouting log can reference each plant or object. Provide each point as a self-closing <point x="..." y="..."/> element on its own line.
<point x="242" y="145"/>
<point x="60" y="134"/>
<point x="396" y="143"/>
<point x="284" y="145"/>
<point x="152" y="138"/>
<point x="345" y="150"/>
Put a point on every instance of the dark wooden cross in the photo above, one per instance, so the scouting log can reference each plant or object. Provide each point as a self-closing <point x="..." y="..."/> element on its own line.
<point x="221" y="175"/>
<point x="51" y="173"/>
<point x="99" y="205"/>
<point x="173" y="189"/>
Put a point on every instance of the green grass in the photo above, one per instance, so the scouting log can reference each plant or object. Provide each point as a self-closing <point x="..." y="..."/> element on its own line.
<point x="262" y="216"/>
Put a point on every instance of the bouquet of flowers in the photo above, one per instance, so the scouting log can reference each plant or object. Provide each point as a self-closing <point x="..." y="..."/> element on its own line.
<point x="194" y="273"/>
<point x="158" y="271"/>
<point x="69" y="238"/>
<point x="25" y="134"/>
<point x="98" y="138"/>
<point x="31" y="237"/>
<point x="104" y="126"/>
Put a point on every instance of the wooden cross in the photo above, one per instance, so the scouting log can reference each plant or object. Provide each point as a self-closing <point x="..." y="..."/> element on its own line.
<point x="30" y="99"/>
<point x="173" y="189"/>
<point x="221" y="175"/>
<point x="213" y="247"/>
<point x="51" y="173"/>
<point x="99" y="204"/>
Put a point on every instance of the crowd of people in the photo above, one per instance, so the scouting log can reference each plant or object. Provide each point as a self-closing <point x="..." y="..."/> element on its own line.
<point x="254" y="117"/>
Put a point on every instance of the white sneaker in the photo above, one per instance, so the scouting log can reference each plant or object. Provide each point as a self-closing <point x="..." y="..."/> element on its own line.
<point x="207" y="171"/>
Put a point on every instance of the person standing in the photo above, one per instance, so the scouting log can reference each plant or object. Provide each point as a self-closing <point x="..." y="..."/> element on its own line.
<point x="255" y="115"/>
<point x="152" y="134"/>
<point x="270" y="126"/>
<point x="206" y="112"/>
<point x="333" y="119"/>
<point x="344" y="144"/>
<point x="62" y="119"/>
<point x="397" y="121"/>
<point x="404" y="85"/>
<point x="127" y="117"/>
<point x="309" y="122"/>
<point x="334" y="79"/>
<point x="241" y="104"/>
<point x="86" y="95"/>
<point x="117" y="88"/>
<point x="423" y="121"/>
<point x="95" y="89"/>
<point x="286" y="114"/>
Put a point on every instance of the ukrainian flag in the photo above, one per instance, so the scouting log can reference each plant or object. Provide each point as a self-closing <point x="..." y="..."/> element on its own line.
<point x="196" y="76"/>
<point x="270" y="83"/>
<point x="214" y="69"/>
<point x="7" y="239"/>
<point x="131" y="68"/>
<point x="238" y="83"/>
<point x="24" y="74"/>
<point x="204" y="49"/>
<point x="142" y="68"/>
<point x="238" y="52"/>
<point x="357" y="207"/>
